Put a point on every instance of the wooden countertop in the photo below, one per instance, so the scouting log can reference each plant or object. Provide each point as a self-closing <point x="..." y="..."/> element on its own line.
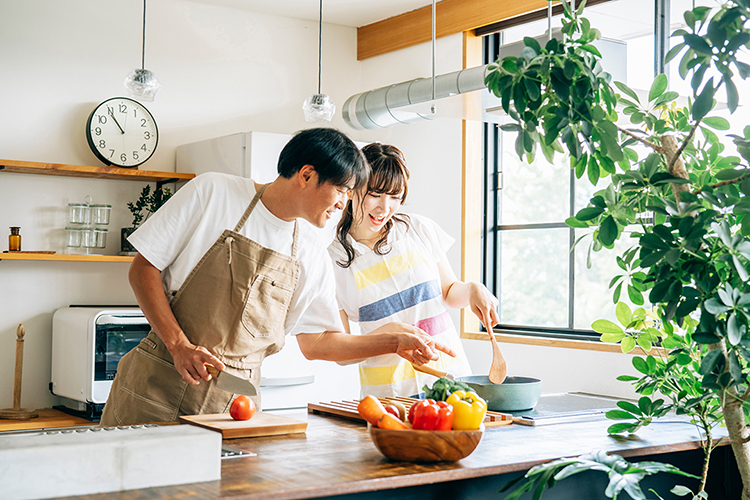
<point x="48" y="418"/>
<point x="336" y="457"/>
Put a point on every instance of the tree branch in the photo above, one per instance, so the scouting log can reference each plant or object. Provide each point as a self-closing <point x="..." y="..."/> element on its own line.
<point x="655" y="147"/>
<point x="745" y="395"/>
<point x="723" y="183"/>
<point x="683" y="145"/>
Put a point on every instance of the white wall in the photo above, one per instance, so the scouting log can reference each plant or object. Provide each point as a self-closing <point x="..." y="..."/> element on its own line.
<point x="222" y="71"/>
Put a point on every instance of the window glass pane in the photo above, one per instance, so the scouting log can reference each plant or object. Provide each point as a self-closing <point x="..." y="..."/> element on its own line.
<point x="593" y="297"/>
<point x="534" y="277"/>
<point x="536" y="192"/>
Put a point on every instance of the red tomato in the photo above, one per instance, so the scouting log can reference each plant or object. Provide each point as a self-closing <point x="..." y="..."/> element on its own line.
<point x="392" y="410"/>
<point x="242" y="408"/>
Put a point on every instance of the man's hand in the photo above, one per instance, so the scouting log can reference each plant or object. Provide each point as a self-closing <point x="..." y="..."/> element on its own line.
<point x="190" y="360"/>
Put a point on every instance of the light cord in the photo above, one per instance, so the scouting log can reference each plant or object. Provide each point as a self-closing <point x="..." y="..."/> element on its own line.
<point x="143" y="45"/>
<point x="320" y="43"/>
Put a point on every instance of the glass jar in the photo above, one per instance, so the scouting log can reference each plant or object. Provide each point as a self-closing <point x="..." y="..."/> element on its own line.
<point x="14" y="240"/>
<point x="100" y="214"/>
<point x="100" y="237"/>
<point x="73" y="236"/>
<point x="79" y="213"/>
<point x="88" y="237"/>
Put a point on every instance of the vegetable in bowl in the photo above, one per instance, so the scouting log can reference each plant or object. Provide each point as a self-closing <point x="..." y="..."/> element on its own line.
<point x="443" y="388"/>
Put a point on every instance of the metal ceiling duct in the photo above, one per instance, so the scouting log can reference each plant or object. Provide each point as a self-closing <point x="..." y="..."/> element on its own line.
<point x="379" y="108"/>
<point x="394" y="104"/>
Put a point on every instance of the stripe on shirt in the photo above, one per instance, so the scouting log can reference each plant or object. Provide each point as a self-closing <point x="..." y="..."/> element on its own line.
<point x="399" y="301"/>
<point x="386" y="375"/>
<point x="436" y="324"/>
<point x="388" y="267"/>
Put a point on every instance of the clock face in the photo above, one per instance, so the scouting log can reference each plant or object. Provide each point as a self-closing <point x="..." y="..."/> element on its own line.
<point x="122" y="132"/>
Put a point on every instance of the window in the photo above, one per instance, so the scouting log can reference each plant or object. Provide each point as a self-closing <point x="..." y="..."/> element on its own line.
<point x="545" y="288"/>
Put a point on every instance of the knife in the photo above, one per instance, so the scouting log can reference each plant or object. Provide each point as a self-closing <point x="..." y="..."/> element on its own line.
<point x="231" y="383"/>
<point x="432" y="371"/>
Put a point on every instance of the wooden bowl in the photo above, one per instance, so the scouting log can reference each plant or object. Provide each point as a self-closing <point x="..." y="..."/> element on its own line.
<point x="411" y="445"/>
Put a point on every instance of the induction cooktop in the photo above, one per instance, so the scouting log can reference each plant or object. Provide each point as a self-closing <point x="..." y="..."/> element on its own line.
<point x="566" y="407"/>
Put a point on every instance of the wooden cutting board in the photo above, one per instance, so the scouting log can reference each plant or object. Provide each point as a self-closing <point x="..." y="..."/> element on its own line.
<point x="262" y="424"/>
<point x="348" y="409"/>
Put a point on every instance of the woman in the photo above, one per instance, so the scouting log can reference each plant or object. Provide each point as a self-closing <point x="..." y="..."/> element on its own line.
<point x="391" y="271"/>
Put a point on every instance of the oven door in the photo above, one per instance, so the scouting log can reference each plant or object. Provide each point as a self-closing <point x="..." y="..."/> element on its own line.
<point x="116" y="335"/>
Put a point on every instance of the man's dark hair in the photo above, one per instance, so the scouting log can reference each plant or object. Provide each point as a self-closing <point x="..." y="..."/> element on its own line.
<point x="335" y="157"/>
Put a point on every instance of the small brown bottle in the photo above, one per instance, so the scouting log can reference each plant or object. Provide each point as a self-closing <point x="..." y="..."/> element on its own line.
<point x="14" y="240"/>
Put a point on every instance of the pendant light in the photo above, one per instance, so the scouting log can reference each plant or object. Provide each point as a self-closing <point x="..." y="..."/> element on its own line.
<point x="142" y="83"/>
<point x="319" y="107"/>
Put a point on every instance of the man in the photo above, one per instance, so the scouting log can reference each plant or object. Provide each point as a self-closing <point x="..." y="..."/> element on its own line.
<point x="225" y="270"/>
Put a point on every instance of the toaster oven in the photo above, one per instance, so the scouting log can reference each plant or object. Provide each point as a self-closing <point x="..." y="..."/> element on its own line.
<point x="87" y="345"/>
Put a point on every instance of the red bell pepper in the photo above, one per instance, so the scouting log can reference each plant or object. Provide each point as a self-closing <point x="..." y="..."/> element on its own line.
<point x="430" y="415"/>
<point x="413" y="409"/>
<point x="445" y="418"/>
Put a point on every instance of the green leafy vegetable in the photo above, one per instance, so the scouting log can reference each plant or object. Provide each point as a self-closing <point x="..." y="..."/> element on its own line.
<point x="444" y="387"/>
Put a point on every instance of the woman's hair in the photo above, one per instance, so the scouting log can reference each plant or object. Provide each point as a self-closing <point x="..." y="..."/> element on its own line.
<point x="388" y="175"/>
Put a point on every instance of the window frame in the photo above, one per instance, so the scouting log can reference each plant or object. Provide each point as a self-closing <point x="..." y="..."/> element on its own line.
<point x="492" y="186"/>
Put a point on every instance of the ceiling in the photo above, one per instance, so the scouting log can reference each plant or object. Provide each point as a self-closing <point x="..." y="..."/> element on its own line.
<point x="346" y="12"/>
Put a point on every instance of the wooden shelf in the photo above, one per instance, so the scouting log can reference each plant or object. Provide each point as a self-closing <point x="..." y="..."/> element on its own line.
<point x="65" y="257"/>
<point x="127" y="174"/>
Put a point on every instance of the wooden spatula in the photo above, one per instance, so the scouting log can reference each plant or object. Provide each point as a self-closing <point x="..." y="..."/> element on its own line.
<point x="432" y="371"/>
<point x="499" y="368"/>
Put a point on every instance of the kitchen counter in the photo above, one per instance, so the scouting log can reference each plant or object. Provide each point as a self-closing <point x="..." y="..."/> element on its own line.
<point x="336" y="457"/>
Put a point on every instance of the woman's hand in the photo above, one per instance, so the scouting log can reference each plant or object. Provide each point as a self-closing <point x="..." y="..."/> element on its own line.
<point x="415" y="345"/>
<point x="483" y="304"/>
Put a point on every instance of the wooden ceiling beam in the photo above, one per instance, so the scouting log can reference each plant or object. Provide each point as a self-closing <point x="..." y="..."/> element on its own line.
<point x="452" y="16"/>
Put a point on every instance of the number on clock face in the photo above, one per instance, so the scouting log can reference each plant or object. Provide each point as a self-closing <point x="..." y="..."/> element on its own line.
<point x="122" y="132"/>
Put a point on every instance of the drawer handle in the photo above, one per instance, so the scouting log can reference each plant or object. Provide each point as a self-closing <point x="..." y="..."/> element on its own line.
<point x="287" y="381"/>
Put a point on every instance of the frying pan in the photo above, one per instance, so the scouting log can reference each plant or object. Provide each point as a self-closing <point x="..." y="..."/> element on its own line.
<point x="514" y="394"/>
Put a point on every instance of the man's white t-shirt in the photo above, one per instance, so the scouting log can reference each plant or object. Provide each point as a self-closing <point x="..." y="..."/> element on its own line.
<point x="176" y="237"/>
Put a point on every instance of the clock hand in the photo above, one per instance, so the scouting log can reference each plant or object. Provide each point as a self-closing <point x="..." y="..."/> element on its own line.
<point x="112" y="114"/>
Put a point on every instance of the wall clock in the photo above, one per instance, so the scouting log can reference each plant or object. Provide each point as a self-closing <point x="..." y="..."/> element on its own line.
<point x="122" y="132"/>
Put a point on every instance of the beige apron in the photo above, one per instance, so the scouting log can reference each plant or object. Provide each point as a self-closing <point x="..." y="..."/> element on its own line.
<point x="234" y="303"/>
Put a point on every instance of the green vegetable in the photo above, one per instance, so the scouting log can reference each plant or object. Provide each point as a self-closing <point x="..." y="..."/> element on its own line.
<point x="444" y="387"/>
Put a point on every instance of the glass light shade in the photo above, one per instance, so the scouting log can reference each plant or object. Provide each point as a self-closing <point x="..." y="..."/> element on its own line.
<point x="142" y="84"/>
<point x="318" y="108"/>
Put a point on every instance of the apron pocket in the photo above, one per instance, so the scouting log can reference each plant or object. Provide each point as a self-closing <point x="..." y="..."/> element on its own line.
<point x="151" y="391"/>
<point x="266" y="306"/>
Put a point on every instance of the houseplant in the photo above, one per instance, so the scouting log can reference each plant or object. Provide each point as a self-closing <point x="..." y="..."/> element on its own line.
<point x="684" y="202"/>
<point x="146" y="204"/>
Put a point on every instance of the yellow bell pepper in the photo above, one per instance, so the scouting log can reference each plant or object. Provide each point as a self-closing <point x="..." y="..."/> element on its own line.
<point x="468" y="410"/>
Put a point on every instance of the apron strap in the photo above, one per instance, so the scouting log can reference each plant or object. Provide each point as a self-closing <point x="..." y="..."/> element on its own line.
<point x="250" y="208"/>
<point x="294" y="241"/>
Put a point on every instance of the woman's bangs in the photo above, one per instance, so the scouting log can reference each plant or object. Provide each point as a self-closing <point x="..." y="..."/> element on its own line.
<point x="387" y="178"/>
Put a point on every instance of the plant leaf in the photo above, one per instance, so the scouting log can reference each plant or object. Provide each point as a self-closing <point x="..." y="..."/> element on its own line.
<point x="658" y="87"/>
<point x="623" y="313"/>
<point x="606" y="326"/>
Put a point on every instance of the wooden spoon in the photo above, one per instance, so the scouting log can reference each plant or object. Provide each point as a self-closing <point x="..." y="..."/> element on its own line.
<point x="499" y="368"/>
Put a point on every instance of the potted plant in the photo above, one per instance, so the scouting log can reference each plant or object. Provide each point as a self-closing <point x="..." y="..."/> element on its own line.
<point x="684" y="202"/>
<point x="147" y="204"/>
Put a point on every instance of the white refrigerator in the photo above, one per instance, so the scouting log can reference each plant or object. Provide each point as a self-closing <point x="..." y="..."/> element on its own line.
<point x="288" y="380"/>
